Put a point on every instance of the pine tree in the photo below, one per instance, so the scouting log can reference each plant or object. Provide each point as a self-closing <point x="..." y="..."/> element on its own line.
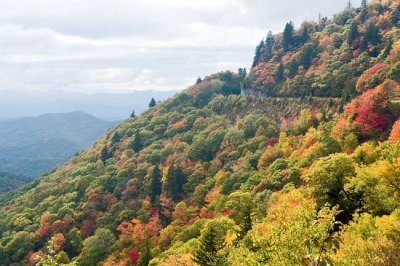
<point x="306" y="57"/>
<point x="257" y="55"/>
<point x="353" y="33"/>
<point x="269" y="45"/>
<point x="174" y="182"/>
<point x="280" y="73"/>
<point x="371" y="36"/>
<point x="305" y="34"/>
<point x="145" y="255"/>
<point x="242" y="72"/>
<point x="288" y="36"/>
<point x="155" y="183"/>
<point x="152" y="103"/>
<point x="199" y="80"/>
<point x="396" y="16"/>
<point x="104" y="154"/>
<point x="137" y="142"/>
<point x="207" y="252"/>
<point x="364" y="11"/>
<point x="133" y="114"/>
<point x="115" y="137"/>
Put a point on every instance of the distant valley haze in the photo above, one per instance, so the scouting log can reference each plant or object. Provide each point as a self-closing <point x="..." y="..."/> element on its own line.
<point x="107" y="106"/>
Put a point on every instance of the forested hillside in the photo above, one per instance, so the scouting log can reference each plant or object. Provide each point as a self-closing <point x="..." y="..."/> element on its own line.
<point x="306" y="173"/>
<point x="31" y="146"/>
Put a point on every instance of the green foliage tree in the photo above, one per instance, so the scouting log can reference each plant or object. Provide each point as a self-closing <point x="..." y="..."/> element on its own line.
<point x="19" y="246"/>
<point x="364" y="11"/>
<point x="152" y="103"/>
<point x="54" y="256"/>
<point x="133" y="115"/>
<point x="96" y="248"/>
<point x="280" y="73"/>
<point x="211" y="243"/>
<point x="394" y="72"/>
<point x="353" y="33"/>
<point x="174" y="181"/>
<point x="155" y="183"/>
<point x="137" y="142"/>
<point x="258" y="53"/>
<point x="371" y="36"/>
<point x="288" y="36"/>
<point x="269" y="45"/>
<point x="306" y="56"/>
<point x="328" y="178"/>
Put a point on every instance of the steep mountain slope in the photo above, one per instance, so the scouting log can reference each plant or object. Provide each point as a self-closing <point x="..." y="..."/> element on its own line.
<point x="30" y="146"/>
<point x="211" y="177"/>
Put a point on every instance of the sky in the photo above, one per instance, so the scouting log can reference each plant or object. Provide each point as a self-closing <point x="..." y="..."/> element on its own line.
<point x="129" y="45"/>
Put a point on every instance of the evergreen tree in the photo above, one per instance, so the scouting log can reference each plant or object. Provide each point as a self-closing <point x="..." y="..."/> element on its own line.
<point x="133" y="114"/>
<point x="257" y="55"/>
<point x="145" y="256"/>
<point x="293" y="68"/>
<point x="353" y="33"/>
<point x="210" y="244"/>
<point x="104" y="154"/>
<point x="396" y="16"/>
<point x="288" y="36"/>
<point x="305" y="34"/>
<point x="137" y="142"/>
<point x="115" y="137"/>
<point x="174" y="182"/>
<point x="155" y="183"/>
<point x="242" y="72"/>
<point x="199" y="80"/>
<point x="152" y="103"/>
<point x="306" y="57"/>
<point x="371" y="36"/>
<point x="364" y="11"/>
<point x="269" y="45"/>
<point x="280" y="73"/>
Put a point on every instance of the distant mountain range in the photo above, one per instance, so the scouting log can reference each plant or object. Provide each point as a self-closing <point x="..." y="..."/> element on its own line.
<point x="32" y="145"/>
<point x="107" y="106"/>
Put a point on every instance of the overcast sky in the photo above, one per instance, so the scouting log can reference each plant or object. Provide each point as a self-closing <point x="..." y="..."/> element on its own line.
<point x="127" y="45"/>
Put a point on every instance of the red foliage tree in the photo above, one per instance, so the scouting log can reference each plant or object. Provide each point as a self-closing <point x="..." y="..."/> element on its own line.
<point x="369" y="113"/>
<point x="395" y="133"/>
<point x="134" y="255"/>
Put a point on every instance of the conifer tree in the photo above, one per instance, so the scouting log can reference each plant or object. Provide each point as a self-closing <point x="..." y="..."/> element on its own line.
<point x="145" y="256"/>
<point x="280" y="73"/>
<point x="364" y="11"/>
<point x="396" y="15"/>
<point x="155" y="183"/>
<point x="104" y="154"/>
<point x="353" y="33"/>
<point x="257" y="55"/>
<point x="371" y="36"/>
<point x="174" y="182"/>
<point x="306" y="57"/>
<point x="133" y="114"/>
<point x="152" y="103"/>
<point x="207" y="252"/>
<point x="137" y="142"/>
<point x="288" y="36"/>
<point x="269" y="45"/>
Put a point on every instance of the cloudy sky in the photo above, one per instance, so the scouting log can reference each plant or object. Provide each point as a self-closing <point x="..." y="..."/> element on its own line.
<point x="127" y="45"/>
